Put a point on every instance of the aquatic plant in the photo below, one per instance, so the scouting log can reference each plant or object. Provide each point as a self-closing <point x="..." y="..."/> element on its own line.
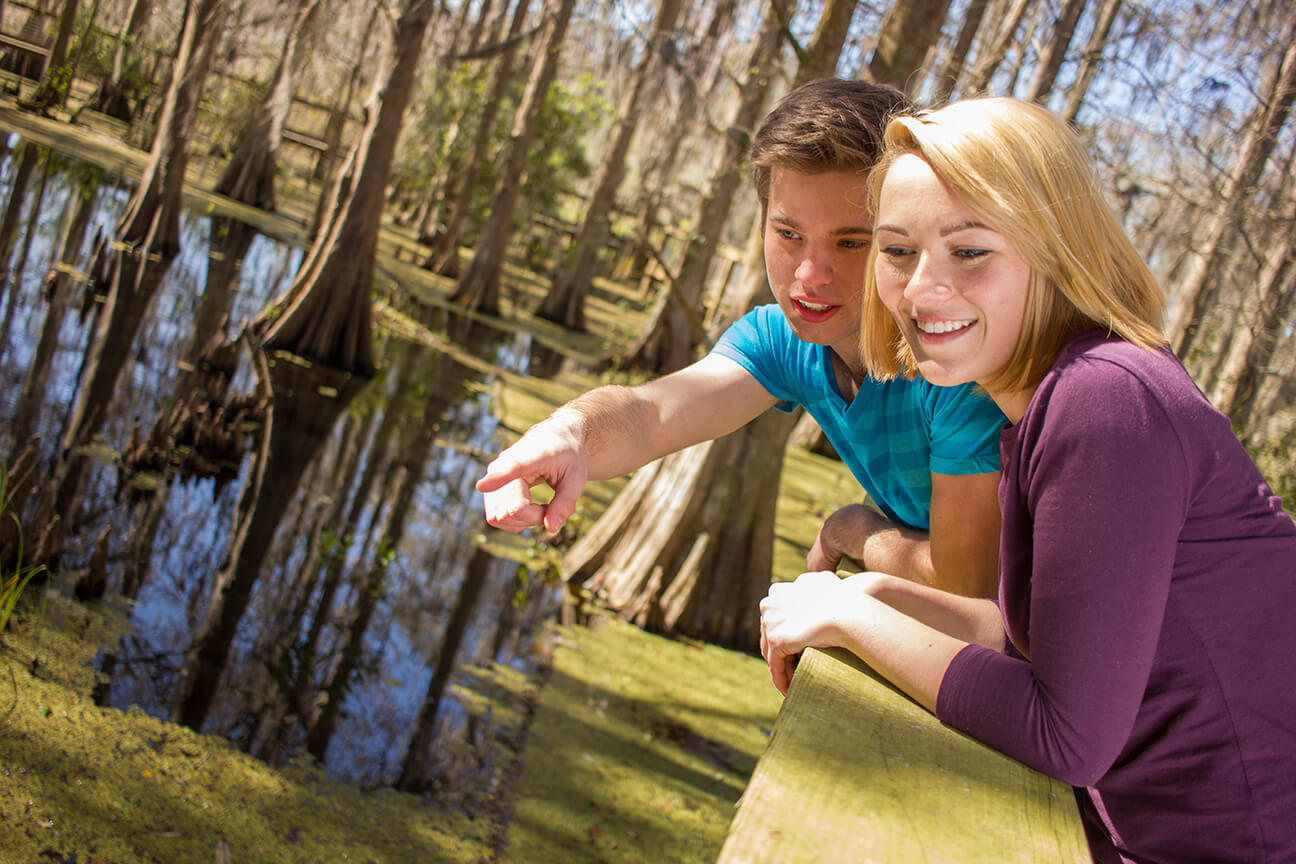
<point x="14" y="576"/>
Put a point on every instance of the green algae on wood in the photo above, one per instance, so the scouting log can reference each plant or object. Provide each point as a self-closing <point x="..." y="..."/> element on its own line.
<point x="856" y="771"/>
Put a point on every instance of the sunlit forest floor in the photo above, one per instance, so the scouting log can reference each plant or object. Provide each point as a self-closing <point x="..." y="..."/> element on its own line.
<point x="631" y="747"/>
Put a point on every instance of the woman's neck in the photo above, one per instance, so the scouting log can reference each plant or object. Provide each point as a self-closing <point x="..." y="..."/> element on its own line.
<point x="1013" y="403"/>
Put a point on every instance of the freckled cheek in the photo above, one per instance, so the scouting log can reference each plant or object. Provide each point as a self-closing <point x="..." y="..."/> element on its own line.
<point x="854" y="272"/>
<point x="889" y="289"/>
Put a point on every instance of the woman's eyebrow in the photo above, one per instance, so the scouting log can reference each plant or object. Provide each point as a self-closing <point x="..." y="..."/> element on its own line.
<point x="963" y="226"/>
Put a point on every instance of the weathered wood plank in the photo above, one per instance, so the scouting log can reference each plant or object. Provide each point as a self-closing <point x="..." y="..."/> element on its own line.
<point x="855" y="771"/>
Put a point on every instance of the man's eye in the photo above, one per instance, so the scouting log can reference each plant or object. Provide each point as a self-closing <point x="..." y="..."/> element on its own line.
<point x="786" y="233"/>
<point x="846" y="243"/>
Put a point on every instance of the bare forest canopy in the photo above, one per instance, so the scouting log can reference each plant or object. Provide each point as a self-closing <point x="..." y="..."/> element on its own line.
<point x="586" y="129"/>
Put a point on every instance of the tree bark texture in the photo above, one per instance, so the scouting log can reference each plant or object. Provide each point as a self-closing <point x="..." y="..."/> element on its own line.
<point x="1200" y="287"/>
<point x="1092" y="57"/>
<point x="1252" y="344"/>
<point x="115" y="94"/>
<point x="1050" y="59"/>
<point x="947" y="78"/>
<point x="820" y="59"/>
<point x="670" y="339"/>
<point x="687" y="547"/>
<point x="910" y="30"/>
<point x="478" y="287"/>
<point x="565" y="302"/>
<point x="991" y="53"/>
<point x="696" y="70"/>
<point x="444" y="258"/>
<point x="152" y="217"/>
<point x="329" y="321"/>
<point x="53" y="86"/>
<point x="336" y="126"/>
<point x="249" y="176"/>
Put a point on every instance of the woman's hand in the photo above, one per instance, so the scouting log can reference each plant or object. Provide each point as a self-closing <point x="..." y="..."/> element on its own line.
<point x="802" y="614"/>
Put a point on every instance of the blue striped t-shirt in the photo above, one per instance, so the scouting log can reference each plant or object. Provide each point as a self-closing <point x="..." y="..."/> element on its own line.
<point x="893" y="435"/>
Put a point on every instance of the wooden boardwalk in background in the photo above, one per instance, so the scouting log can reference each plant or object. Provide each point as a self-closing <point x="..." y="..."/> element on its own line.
<point x="855" y="772"/>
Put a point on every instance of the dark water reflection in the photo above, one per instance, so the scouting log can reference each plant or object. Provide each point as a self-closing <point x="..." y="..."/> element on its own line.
<point x="354" y="539"/>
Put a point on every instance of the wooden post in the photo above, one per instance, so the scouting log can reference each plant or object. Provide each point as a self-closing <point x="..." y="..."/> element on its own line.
<point x="856" y="771"/>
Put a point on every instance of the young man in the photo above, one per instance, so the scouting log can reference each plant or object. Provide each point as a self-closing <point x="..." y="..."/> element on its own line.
<point x="927" y="456"/>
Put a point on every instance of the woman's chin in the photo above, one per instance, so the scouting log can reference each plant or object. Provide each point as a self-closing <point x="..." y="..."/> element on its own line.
<point x="940" y="375"/>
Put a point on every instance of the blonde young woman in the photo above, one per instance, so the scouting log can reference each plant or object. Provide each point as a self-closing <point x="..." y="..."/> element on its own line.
<point x="1141" y="648"/>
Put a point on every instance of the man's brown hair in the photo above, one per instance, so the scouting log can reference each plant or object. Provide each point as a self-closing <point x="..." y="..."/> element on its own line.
<point x="825" y="125"/>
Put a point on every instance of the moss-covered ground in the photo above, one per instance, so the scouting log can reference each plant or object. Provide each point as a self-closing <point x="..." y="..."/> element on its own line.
<point x="640" y="749"/>
<point x="637" y="746"/>
<point x="80" y="783"/>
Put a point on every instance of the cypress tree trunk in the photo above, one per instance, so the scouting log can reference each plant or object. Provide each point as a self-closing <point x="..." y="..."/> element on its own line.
<point x="328" y="316"/>
<point x="249" y="176"/>
<point x="687" y="547"/>
<point x="1197" y="292"/>
<point x="444" y="258"/>
<point x="565" y="302"/>
<point x="478" y="287"/>
<point x="674" y="331"/>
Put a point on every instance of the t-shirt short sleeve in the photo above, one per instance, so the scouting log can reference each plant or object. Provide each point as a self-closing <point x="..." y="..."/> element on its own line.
<point x="759" y="343"/>
<point x="965" y="425"/>
<point x="893" y="435"/>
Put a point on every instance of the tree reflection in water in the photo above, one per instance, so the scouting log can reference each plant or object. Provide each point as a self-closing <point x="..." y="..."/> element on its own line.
<point x="300" y="550"/>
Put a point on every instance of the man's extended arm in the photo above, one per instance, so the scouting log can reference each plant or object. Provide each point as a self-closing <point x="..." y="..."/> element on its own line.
<point x="614" y="430"/>
<point x="961" y="554"/>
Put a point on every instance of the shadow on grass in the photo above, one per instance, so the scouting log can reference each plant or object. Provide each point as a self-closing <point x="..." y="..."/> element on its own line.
<point x="640" y="749"/>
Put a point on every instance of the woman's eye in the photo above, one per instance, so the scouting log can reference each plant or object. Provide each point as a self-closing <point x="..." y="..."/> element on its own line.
<point x="895" y="251"/>
<point x="971" y="254"/>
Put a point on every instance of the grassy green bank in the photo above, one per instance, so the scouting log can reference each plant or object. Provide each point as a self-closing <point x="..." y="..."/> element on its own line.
<point x="88" y="784"/>
<point x="638" y="747"/>
<point x="638" y="750"/>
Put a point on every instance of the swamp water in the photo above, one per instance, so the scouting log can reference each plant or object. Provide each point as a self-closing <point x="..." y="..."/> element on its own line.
<point x="359" y="622"/>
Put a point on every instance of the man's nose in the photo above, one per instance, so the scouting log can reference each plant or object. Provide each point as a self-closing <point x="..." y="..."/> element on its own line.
<point x="814" y="269"/>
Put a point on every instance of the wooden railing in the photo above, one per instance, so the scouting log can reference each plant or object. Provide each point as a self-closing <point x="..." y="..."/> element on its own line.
<point x="855" y="772"/>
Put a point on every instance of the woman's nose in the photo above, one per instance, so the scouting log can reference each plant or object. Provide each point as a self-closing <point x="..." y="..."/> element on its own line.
<point x="925" y="281"/>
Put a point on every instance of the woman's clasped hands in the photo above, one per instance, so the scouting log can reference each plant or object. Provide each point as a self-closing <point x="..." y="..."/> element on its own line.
<point x="809" y="612"/>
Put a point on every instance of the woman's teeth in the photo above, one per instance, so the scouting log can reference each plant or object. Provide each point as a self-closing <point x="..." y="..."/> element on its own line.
<point x="815" y="307"/>
<point x="937" y="327"/>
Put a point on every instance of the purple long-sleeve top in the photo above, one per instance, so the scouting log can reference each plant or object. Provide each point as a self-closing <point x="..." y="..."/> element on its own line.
<point x="1148" y="590"/>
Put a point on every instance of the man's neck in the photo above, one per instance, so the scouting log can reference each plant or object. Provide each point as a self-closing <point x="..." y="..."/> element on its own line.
<point x="849" y="374"/>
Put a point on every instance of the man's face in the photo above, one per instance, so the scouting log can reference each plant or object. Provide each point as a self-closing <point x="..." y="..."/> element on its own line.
<point x="817" y="233"/>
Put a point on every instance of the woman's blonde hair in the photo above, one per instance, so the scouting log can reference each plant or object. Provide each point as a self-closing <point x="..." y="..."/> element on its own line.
<point x="1026" y="174"/>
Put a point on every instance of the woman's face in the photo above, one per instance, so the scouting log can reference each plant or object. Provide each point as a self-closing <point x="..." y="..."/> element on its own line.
<point x="956" y="286"/>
